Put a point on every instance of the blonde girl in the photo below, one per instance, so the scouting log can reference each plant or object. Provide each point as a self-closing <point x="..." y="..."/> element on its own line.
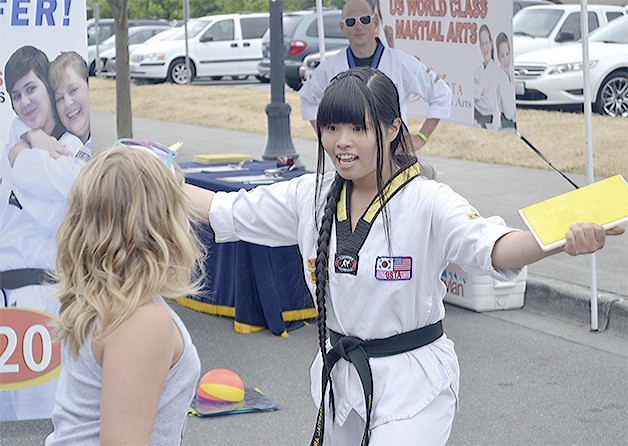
<point x="129" y="367"/>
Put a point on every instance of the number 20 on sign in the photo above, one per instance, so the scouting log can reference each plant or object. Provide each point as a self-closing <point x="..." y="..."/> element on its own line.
<point x="28" y="356"/>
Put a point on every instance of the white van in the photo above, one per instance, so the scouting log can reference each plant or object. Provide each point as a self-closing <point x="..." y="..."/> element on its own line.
<point x="540" y="27"/>
<point x="220" y="45"/>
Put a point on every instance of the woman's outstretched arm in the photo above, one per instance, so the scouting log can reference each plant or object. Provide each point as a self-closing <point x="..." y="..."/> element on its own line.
<point x="201" y="201"/>
<point x="517" y="249"/>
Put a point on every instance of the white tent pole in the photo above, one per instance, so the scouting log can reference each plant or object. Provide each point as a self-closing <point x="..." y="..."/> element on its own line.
<point x="584" y="26"/>
<point x="320" y="28"/>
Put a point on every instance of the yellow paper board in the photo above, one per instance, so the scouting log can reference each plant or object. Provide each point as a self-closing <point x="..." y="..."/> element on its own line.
<point x="221" y="158"/>
<point x="604" y="202"/>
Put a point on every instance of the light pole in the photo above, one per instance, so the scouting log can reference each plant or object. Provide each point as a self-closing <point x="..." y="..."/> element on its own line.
<point x="278" y="111"/>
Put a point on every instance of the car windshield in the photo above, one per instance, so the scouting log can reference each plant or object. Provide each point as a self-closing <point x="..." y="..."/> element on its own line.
<point x="194" y="27"/>
<point x="535" y="22"/>
<point x="615" y="32"/>
<point x="164" y="35"/>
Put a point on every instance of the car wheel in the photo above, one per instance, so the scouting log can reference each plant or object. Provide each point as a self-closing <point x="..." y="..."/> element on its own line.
<point x="295" y="85"/>
<point x="239" y="78"/>
<point x="262" y="79"/>
<point x="612" y="98"/>
<point x="178" y="72"/>
<point x="215" y="78"/>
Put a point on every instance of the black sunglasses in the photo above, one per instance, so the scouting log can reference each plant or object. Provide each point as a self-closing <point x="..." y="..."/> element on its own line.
<point x="364" y="20"/>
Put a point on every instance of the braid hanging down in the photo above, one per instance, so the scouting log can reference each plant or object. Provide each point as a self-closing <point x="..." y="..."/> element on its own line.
<point x="322" y="260"/>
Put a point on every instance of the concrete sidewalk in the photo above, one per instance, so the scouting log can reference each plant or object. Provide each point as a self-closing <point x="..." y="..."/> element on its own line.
<point x="559" y="285"/>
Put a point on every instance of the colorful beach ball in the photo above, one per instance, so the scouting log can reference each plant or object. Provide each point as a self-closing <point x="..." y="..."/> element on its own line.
<point x="221" y="386"/>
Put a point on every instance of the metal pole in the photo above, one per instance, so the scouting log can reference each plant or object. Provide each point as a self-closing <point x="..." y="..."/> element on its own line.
<point x="186" y="18"/>
<point x="278" y="111"/>
<point x="320" y="28"/>
<point x="584" y="26"/>
<point x="97" y="62"/>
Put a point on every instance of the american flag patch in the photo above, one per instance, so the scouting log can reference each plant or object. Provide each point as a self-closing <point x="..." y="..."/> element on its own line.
<point x="84" y="154"/>
<point x="393" y="268"/>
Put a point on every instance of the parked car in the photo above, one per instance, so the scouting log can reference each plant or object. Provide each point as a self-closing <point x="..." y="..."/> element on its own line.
<point x="313" y="60"/>
<point x="220" y="45"/>
<point x="106" y="29"/>
<point x="554" y="76"/>
<point x="137" y="36"/>
<point x="539" y="27"/>
<point x="289" y="21"/>
<point x="301" y="39"/>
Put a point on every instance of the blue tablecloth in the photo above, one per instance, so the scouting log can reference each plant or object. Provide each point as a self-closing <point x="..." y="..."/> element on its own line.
<point x="260" y="287"/>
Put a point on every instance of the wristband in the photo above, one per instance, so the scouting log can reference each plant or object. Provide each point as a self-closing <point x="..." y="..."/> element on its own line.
<point x="422" y="136"/>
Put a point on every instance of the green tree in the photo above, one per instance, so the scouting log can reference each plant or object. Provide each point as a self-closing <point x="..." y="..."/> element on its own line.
<point x="156" y="9"/>
<point x="104" y="11"/>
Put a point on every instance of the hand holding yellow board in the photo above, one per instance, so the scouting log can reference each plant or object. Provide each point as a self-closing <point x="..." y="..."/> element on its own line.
<point x="604" y="202"/>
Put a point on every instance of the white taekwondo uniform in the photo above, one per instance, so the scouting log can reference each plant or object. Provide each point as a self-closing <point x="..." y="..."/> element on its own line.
<point x="409" y="75"/>
<point x="439" y="227"/>
<point x="485" y="80"/>
<point x="33" y="195"/>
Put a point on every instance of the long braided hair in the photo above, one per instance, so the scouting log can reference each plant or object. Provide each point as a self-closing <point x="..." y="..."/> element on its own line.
<point x="352" y="97"/>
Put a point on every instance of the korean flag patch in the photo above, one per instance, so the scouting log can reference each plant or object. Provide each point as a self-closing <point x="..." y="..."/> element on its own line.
<point x="393" y="268"/>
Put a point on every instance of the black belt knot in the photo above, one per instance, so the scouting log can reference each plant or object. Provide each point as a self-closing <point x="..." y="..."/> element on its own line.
<point x="345" y="345"/>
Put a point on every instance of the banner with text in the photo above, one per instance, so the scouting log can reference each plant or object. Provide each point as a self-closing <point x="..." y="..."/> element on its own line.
<point x="468" y="43"/>
<point x="43" y="98"/>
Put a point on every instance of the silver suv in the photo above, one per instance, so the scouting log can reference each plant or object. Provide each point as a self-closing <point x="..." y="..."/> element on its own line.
<point x="300" y="39"/>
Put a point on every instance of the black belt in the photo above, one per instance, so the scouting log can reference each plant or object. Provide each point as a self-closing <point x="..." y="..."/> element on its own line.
<point x="483" y="120"/>
<point x="18" y="278"/>
<point x="358" y="352"/>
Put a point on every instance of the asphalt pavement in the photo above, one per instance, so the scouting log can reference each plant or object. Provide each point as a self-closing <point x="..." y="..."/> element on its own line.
<point x="533" y="376"/>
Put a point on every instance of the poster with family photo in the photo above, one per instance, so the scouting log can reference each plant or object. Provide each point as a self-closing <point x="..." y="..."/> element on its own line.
<point x="44" y="116"/>
<point x="468" y="44"/>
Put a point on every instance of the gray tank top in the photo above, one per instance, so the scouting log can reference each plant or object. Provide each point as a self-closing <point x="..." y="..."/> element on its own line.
<point x="76" y="416"/>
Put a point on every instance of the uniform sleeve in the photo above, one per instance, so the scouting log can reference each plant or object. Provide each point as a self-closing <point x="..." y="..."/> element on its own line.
<point x="42" y="183"/>
<point x="425" y="83"/>
<point x="311" y="94"/>
<point x="466" y="238"/>
<point x="266" y="215"/>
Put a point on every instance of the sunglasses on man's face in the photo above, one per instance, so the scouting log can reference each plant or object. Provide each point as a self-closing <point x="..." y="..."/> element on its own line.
<point x="364" y="20"/>
<point x="159" y="151"/>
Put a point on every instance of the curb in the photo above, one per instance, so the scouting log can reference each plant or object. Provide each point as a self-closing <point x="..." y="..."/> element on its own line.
<point x="572" y="303"/>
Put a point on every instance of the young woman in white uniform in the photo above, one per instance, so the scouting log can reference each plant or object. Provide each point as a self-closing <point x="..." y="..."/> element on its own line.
<point x="485" y="110"/>
<point x="383" y="264"/>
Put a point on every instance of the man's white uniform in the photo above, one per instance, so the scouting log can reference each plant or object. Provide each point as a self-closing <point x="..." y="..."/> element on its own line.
<point x="440" y="227"/>
<point x="409" y="75"/>
<point x="33" y="194"/>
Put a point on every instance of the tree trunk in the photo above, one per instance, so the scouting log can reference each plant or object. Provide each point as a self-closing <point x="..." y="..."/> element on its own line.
<point x="124" y="116"/>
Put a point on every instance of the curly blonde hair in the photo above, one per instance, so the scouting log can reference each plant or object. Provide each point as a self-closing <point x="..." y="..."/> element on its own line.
<point x="126" y="237"/>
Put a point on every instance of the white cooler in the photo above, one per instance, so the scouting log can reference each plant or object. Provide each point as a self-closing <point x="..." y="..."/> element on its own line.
<point x="483" y="293"/>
